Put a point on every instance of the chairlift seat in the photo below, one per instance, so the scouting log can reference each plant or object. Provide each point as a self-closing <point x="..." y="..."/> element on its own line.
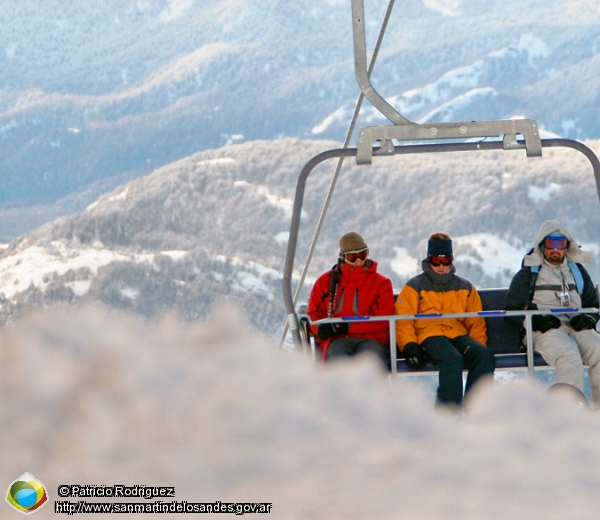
<point x="504" y="339"/>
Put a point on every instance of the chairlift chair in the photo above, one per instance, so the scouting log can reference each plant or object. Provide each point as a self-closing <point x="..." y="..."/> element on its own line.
<point x="405" y="137"/>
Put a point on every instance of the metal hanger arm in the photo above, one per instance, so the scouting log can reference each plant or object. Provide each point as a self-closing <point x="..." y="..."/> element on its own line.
<point x="360" y="66"/>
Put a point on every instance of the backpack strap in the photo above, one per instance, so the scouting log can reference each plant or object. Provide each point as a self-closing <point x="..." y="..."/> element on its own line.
<point x="535" y="269"/>
<point x="577" y="275"/>
<point x="575" y="271"/>
<point x="334" y="283"/>
<point x="334" y="280"/>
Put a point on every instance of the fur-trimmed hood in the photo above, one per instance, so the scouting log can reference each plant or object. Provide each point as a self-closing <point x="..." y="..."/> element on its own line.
<point x="574" y="253"/>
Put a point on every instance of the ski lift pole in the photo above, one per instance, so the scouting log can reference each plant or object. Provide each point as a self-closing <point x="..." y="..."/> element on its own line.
<point x="583" y="149"/>
<point x="350" y="131"/>
<point x="529" y="345"/>
<point x="363" y="75"/>
<point x="292" y="318"/>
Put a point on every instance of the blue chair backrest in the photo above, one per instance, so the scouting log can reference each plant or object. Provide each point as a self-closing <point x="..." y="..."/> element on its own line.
<point x="503" y="338"/>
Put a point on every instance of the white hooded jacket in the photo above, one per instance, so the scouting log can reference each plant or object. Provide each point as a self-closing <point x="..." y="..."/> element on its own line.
<point x="556" y="279"/>
<point x="574" y="253"/>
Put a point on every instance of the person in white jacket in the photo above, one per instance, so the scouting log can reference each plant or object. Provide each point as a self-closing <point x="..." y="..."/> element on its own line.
<point x="552" y="276"/>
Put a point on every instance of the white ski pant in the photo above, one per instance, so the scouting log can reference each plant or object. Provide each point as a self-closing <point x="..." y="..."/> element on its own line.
<point x="567" y="350"/>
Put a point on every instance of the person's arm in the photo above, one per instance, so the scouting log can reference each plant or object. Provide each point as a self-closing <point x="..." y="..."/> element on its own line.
<point x="384" y="306"/>
<point x="518" y="296"/>
<point x="319" y="300"/>
<point x="476" y="326"/>
<point x="406" y="303"/>
<point x="589" y="298"/>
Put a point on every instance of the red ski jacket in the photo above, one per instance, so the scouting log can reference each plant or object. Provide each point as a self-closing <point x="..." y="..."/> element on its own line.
<point x="362" y="291"/>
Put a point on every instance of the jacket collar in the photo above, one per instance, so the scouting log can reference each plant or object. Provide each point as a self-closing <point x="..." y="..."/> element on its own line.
<point x="436" y="278"/>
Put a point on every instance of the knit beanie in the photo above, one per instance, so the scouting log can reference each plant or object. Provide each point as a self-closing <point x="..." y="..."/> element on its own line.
<point x="352" y="241"/>
<point x="439" y="248"/>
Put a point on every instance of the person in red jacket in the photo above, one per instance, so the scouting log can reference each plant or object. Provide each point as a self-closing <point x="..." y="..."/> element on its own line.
<point x="353" y="287"/>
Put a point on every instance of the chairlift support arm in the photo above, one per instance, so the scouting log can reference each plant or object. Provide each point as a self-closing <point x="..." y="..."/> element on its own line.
<point x="360" y="67"/>
<point x="405" y="130"/>
<point x="507" y="129"/>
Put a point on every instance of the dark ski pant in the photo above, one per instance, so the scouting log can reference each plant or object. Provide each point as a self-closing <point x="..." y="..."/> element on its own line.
<point x="352" y="346"/>
<point x="451" y="356"/>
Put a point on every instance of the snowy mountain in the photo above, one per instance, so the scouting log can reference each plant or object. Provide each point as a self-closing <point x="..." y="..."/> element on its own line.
<point x="214" y="227"/>
<point x="95" y="95"/>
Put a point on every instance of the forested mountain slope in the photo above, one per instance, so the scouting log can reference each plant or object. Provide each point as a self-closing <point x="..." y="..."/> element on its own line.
<point x="215" y="224"/>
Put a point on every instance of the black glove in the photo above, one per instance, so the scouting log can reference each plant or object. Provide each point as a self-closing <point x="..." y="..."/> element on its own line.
<point x="582" y="322"/>
<point x="415" y="357"/>
<point x="545" y="323"/>
<point x="330" y="330"/>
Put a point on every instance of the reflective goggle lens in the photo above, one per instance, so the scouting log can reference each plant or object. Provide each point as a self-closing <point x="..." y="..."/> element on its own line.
<point x="555" y="243"/>
<point x="436" y="261"/>
<point x="353" y="257"/>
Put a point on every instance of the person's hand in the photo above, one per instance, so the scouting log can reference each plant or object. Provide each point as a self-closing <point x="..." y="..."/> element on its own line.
<point x="415" y="357"/>
<point x="330" y="330"/>
<point x="582" y="322"/>
<point x="545" y="323"/>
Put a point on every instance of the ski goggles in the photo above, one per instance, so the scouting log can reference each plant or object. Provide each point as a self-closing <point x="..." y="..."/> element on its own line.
<point x="355" y="256"/>
<point x="437" y="260"/>
<point x="560" y="243"/>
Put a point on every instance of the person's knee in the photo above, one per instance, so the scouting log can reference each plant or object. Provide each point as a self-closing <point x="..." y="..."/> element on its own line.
<point x="370" y="345"/>
<point x="442" y="352"/>
<point x="570" y="357"/>
<point x="487" y="360"/>
<point x="453" y="359"/>
<point x="569" y="368"/>
<point x="338" y="348"/>
<point x="589" y="345"/>
<point x="593" y="357"/>
<point x="557" y="347"/>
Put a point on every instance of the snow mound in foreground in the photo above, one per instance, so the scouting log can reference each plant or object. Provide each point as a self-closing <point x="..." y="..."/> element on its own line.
<point x="214" y="409"/>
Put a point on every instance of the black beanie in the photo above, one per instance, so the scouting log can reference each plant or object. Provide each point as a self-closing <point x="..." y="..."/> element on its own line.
<point x="439" y="248"/>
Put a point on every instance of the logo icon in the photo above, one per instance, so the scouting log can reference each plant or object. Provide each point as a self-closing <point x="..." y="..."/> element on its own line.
<point x="27" y="494"/>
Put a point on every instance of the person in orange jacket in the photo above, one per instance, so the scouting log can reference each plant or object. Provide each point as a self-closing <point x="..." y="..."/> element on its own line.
<point x="353" y="287"/>
<point x="452" y="344"/>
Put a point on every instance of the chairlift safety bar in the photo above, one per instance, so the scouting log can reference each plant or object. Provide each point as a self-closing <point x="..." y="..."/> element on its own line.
<point x="392" y="319"/>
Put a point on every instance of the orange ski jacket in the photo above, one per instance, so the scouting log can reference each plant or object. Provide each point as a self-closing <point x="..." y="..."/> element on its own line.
<point x="432" y="293"/>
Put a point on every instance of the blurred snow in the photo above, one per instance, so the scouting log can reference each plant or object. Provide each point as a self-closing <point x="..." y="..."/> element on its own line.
<point x="91" y="396"/>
